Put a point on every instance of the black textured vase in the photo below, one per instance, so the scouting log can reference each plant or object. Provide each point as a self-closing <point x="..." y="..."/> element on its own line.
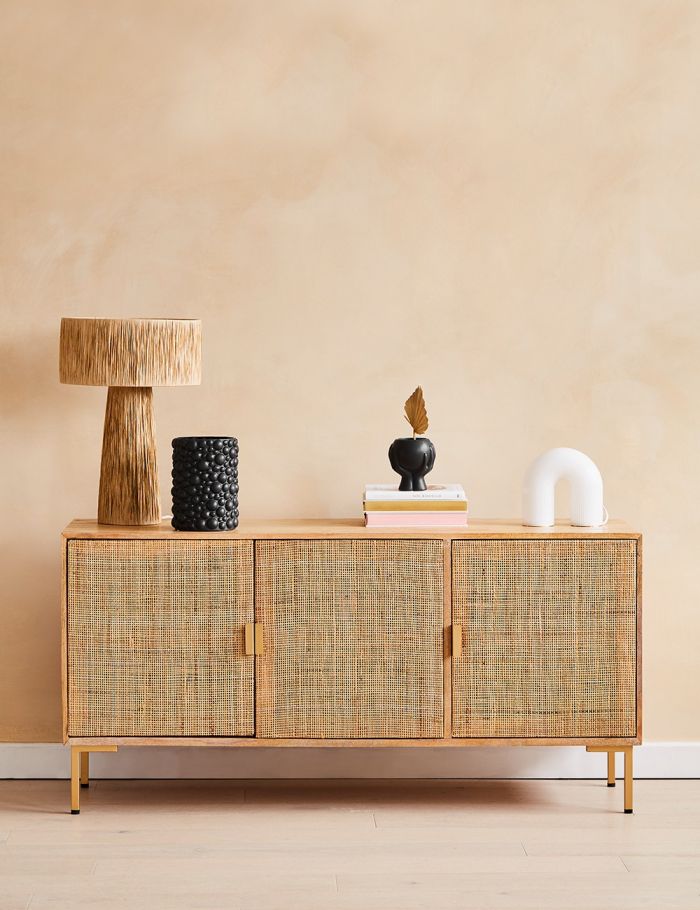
<point x="412" y="459"/>
<point x="205" y="483"/>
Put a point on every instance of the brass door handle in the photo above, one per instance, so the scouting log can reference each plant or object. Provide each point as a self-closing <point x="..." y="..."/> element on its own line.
<point x="254" y="639"/>
<point x="456" y="640"/>
<point x="259" y="639"/>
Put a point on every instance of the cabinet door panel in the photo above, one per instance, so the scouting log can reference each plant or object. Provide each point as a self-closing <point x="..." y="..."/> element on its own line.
<point x="353" y="638"/>
<point x="155" y="638"/>
<point x="549" y="638"/>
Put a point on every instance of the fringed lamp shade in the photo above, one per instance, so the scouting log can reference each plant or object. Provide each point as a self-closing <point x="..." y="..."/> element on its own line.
<point x="131" y="352"/>
<point x="130" y="356"/>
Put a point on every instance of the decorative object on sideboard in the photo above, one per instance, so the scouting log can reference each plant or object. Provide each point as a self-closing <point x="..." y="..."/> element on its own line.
<point x="130" y="356"/>
<point x="205" y="483"/>
<point x="413" y="457"/>
<point x="438" y="506"/>
<point x="585" y="482"/>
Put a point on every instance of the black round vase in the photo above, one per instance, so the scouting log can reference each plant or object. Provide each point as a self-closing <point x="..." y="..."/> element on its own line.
<point x="205" y="483"/>
<point x="412" y="459"/>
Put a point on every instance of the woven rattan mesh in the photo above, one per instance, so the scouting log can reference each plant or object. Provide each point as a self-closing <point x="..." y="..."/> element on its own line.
<point x="353" y="638"/>
<point x="549" y="636"/>
<point x="155" y="638"/>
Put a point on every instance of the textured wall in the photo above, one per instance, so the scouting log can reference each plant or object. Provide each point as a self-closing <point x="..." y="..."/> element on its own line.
<point x="499" y="200"/>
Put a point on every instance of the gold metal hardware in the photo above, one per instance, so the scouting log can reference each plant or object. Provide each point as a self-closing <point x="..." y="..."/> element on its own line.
<point x="628" y="779"/>
<point x="249" y="639"/>
<point x="74" y="781"/>
<point x="259" y="639"/>
<point x="254" y="639"/>
<point x="84" y="769"/>
<point x="456" y="640"/>
<point x="79" y="768"/>
<point x="611" y="769"/>
<point x="629" y="773"/>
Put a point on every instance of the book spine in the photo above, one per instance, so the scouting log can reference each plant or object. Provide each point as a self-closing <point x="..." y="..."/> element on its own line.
<point x="416" y="496"/>
<point x="415" y="520"/>
<point x="401" y="505"/>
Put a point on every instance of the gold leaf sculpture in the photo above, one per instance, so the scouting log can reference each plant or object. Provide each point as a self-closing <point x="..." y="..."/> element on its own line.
<point x="416" y="414"/>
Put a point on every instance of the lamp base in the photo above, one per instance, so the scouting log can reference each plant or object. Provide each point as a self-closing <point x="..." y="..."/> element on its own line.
<point x="129" y="492"/>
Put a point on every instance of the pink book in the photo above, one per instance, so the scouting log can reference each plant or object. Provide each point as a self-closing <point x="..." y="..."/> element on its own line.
<point x="416" y="519"/>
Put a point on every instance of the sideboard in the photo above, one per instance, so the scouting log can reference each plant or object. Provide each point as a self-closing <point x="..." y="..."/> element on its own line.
<point x="326" y="633"/>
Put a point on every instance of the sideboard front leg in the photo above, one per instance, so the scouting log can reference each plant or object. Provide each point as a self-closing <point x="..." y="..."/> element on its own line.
<point x="75" y="757"/>
<point x="629" y="780"/>
<point x="79" y="771"/>
<point x="629" y="774"/>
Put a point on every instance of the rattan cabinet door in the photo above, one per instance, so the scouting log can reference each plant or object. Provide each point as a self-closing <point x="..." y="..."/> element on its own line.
<point x="155" y="636"/>
<point x="549" y="638"/>
<point x="353" y="638"/>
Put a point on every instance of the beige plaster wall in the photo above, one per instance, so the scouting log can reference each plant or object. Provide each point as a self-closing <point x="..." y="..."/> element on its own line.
<point x="500" y="200"/>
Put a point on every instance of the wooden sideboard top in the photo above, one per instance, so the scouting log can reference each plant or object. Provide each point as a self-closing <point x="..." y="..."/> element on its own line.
<point x="349" y="528"/>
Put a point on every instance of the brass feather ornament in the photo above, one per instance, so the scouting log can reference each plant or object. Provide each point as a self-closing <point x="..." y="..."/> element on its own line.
<point x="416" y="414"/>
<point x="413" y="458"/>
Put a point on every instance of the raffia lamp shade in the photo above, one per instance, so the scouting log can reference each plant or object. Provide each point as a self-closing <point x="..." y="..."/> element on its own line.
<point x="130" y="356"/>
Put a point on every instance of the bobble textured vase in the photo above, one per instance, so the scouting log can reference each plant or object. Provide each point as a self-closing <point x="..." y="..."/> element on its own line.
<point x="205" y="483"/>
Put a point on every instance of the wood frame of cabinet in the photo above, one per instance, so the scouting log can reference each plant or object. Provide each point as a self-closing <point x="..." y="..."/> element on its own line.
<point x="354" y="529"/>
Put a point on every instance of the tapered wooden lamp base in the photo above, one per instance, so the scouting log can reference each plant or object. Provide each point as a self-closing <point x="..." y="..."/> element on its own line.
<point x="129" y="493"/>
<point x="130" y="356"/>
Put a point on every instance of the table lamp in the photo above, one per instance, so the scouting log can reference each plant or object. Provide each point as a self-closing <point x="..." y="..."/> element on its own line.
<point x="130" y="356"/>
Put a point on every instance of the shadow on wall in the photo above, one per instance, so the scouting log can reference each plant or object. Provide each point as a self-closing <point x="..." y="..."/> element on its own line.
<point x="30" y="662"/>
<point x="29" y="378"/>
<point x="40" y="457"/>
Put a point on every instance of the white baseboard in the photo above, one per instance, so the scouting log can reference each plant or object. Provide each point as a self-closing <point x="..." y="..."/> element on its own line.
<point x="50" y="760"/>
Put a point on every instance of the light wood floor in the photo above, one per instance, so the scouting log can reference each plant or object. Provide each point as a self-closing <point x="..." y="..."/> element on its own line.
<point x="323" y="845"/>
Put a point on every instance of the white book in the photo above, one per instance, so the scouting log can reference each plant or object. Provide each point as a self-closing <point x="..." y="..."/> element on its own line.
<point x="390" y="491"/>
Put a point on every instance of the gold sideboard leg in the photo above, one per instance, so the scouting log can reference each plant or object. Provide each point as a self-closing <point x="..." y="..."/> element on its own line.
<point x="629" y="779"/>
<point x="79" y="771"/>
<point x="75" y="780"/>
<point x="629" y="774"/>
<point x="611" y="769"/>
<point x="84" y="769"/>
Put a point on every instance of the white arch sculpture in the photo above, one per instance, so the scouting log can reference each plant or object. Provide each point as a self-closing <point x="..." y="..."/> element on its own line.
<point x="587" y="508"/>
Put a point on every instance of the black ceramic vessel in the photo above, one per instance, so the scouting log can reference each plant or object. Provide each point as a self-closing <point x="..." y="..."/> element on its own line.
<point x="205" y="483"/>
<point x="412" y="459"/>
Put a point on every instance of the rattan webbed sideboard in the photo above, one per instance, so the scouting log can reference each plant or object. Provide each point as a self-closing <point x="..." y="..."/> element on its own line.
<point x="327" y="633"/>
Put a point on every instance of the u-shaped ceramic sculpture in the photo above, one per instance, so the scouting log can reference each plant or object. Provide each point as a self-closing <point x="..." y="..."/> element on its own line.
<point x="587" y="509"/>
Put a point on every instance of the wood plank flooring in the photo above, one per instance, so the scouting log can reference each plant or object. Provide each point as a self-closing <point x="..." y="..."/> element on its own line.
<point x="331" y="845"/>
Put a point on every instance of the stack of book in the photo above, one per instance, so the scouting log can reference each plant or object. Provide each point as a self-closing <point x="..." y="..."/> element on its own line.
<point x="439" y="506"/>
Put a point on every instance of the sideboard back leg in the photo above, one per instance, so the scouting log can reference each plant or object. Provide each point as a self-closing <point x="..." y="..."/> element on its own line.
<point x="611" y="769"/>
<point x="629" y="779"/>
<point x="84" y="769"/>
